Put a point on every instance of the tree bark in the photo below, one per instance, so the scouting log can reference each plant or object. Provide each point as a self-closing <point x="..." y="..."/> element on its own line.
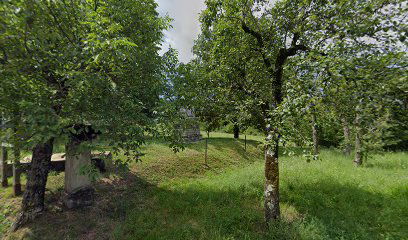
<point x="17" y="156"/>
<point x="315" y="135"/>
<point x="358" y="159"/>
<point x="346" y="134"/>
<point x="272" y="208"/>
<point x="33" y="198"/>
<point x="245" y="143"/>
<point x="206" y="151"/>
<point x="16" y="172"/>
<point x="236" y="131"/>
<point x="3" y="166"/>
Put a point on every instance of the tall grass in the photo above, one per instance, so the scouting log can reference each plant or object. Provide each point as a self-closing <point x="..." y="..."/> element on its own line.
<point x="324" y="199"/>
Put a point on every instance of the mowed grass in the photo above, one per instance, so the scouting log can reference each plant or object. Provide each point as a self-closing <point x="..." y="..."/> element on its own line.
<point x="178" y="196"/>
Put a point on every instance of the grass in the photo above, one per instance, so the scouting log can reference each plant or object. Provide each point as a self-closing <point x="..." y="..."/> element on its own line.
<point x="177" y="196"/>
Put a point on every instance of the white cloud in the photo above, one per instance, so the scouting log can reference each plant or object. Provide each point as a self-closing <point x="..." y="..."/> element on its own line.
<point x="185" y="24"/>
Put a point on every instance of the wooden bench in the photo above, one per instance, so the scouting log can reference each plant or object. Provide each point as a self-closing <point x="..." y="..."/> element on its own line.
<point x="58" y="163"/>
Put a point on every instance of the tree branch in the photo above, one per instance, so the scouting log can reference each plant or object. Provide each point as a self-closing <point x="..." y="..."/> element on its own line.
<point x="58" y="24"/>
<point x="260" y="42"/>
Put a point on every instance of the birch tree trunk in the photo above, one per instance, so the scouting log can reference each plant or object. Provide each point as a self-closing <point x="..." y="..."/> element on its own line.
<point x="272" y="208"/>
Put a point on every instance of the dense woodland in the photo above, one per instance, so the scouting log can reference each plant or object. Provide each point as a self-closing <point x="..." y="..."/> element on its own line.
<point x="313" y="82"/>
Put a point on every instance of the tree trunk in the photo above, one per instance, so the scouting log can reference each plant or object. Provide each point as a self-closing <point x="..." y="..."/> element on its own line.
<point x="3" y="166"/>
<point x="272" y="209"/>
<point x="16" y="172"/>
<point x="346" y="134"/>
<point x="206" y="151"/>
<point x="33" y="198"/>
<point x="245" y="143"/>
<point x="315" y="135"/>
<point x="358" y="160"/>
<point x="17" y="157"/>
<point x="236" y="131"/>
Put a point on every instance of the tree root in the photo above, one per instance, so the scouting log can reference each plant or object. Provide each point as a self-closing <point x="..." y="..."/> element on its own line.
<point x="25" y="217"/>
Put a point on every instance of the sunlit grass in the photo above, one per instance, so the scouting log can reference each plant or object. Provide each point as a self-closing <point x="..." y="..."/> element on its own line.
<point x="324" y="199"/>
<point x="177" y="196"/>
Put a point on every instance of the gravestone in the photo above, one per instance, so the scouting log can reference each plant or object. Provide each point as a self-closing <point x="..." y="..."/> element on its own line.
<point x="78" y="187"/>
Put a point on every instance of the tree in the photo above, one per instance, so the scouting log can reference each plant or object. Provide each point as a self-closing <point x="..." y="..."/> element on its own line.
<point x="261" y="37"/>
<point x="79" y="69"/>
<point x="358" y="97"/>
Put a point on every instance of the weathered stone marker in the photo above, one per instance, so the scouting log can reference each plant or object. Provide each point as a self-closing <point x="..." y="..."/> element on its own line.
<point x="78" y="188"/>
<point x="191" y="132"/>
<point x="3" y="167"/>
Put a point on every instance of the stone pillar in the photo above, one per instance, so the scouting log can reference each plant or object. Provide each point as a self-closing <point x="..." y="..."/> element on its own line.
<point x="3" y="167"/>
<point x="78" y="188"/>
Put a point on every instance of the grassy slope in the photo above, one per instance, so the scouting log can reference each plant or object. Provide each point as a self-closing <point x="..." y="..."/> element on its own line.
<point x="328" y="199"/>
<point x="176" y="196"/>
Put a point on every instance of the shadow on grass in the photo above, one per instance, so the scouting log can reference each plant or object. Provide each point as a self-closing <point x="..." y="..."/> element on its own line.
<point x="132" y="208"/>
<point x="113" y="198"/>
<point x="326" y="210"/>
<point x="349" y="212"/>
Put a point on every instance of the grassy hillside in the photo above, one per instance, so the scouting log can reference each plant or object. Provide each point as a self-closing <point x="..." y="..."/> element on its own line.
<point x="177" y="196"/>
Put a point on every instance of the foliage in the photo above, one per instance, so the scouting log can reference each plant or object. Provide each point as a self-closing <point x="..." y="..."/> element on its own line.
<point x="90" y="171"/>
<point x="278" y="63"/>
<point x="74" y="63"/>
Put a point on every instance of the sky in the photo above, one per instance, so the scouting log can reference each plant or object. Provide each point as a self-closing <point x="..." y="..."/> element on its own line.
<point x="185" y="24"/>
